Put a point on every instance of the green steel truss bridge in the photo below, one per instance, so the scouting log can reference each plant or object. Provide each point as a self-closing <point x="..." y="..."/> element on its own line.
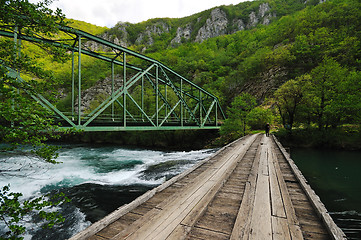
<point x="176" y="102"/>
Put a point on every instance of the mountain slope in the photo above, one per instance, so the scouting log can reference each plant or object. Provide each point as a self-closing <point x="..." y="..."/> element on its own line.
<point x="285" y="40"/>
<point x="259" y="60"/>
<point x="156" y="34"/>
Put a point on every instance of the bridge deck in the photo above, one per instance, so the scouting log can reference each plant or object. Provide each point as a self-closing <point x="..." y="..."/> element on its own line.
<point x="250" y="189"/>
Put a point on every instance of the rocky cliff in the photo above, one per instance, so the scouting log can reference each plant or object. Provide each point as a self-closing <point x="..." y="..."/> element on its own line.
<point x="196" y="28"/>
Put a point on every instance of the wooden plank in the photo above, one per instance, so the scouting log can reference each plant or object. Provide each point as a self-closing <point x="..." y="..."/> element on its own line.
<point x="261" y="225"/>
<point x="219" y="179"/>
<point x="263" y="164"/>
<point x="169" y="204"/>
<point x="199" y="233"/>
<point x="96" y="237"/>
<point x="280" y="229"/>
<point x="294" y="225"/>
<point x="155" y="213"/>
<point x="101" y="224"/>
<point x="278" y="208"/>
<point x="192" y="186"/>
<point x="180" y="232"/>
<point x="241" y="227"/>
<point x="320" y="208"/>
<point x="163" y="227"/>
<point x="183" y="229"/>
<point x="243" y="213"/>
<point x="175" y="211"/>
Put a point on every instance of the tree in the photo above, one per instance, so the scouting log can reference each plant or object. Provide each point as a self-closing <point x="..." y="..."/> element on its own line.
<point x="328" y="96"/>
<point x="21" y="121"/>
<point x="288" y="97"/>
<point x="237" y="114"/>
<point x="325" y="90"/>
<point x="13" y="211"/>
<point x="259" y="117"/>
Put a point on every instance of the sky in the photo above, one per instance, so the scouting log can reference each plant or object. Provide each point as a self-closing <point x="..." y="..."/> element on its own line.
<point x="109" y="12"/>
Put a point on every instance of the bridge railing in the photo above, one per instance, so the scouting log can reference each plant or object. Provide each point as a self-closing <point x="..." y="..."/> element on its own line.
<point x="148" y="95"/>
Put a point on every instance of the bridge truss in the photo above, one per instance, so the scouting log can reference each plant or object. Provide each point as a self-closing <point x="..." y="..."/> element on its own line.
<point x="177" y="103"/>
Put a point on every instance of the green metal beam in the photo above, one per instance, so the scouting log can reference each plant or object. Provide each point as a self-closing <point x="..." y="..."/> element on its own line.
<point x="207" y="115"/>
<point x="117" y="94"/>
<point x="185" y="91"/>
<point x="140" y="128"/>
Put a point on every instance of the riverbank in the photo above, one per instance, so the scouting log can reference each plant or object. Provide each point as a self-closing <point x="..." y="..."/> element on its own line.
<point x="169" y="140"/>
<point x="345" y="138"/>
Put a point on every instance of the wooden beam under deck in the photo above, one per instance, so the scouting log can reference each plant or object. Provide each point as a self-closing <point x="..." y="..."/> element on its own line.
<point x="249" y="189"/>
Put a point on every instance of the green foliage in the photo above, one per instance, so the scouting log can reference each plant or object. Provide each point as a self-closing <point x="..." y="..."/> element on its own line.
<point x="328" y="96"/>
<point x="22" y="119"/>
<point x="87" y="27"/>
<point x="307" y="42"/>
<point x="237" y="115"/>
<point x="14" y="212"/>
<point x="346" y="137"/>
<point x="259" y="117"/>
<point x="329" y="91"/>
<point x="288" y="98"/>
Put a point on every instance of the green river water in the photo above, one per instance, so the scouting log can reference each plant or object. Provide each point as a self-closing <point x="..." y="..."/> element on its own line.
<point x="336" y="178"/>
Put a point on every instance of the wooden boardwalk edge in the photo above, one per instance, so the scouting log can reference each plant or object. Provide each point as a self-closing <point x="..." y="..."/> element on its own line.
<point x="333" y="229"/>
<point x="192" y="209"/>
<point x="112" y="217"/>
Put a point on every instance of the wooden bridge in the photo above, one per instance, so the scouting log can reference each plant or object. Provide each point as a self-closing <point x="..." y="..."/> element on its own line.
<point x="249" y="189"/>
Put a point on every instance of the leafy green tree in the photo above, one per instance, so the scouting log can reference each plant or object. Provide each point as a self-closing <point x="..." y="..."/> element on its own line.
<point x="237" y="114"/>
<point x="325" y="90"/>
<point x="327" y="96"/>
<point x="334" y="93"/>
<point x="288" y="98"/>
<point x="21" y="121"/>
<point x="15" y="213"/>
<point x="259" y="117"/>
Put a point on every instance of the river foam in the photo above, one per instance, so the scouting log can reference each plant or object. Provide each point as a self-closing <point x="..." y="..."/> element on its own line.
<point x="87" y="174"/>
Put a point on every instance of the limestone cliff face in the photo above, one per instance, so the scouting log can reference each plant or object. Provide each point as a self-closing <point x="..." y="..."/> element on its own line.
<point x="216" y="25"/>
<point x="156" y="29"/>
<point x="263" y="16"/>
<point x="213" y="23"/>
<point x="183" y="33"/>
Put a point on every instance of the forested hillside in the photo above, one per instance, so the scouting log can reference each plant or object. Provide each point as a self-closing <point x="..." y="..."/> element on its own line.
<point x="315" y="53"/>
<point x="298" y="61"/>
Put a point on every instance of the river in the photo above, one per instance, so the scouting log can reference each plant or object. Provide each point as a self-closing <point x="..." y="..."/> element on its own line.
<point x="336" y="178"/>
<point x="98" y="179"/>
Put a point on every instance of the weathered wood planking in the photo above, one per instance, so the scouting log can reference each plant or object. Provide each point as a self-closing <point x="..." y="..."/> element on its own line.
<point x="112" y="217"/>
<point x="247" y="190"/>
<point x="335" y="232"/>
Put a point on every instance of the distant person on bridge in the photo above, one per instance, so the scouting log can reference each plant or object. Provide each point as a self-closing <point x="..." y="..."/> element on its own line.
<point x="267" y="128"/>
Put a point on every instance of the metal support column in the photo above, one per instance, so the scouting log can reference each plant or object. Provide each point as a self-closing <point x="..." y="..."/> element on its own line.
<point x="79" y="82"/>
<point x="216" y="114"/>
<point x="156" y="95"/>
<point x="166" y="99"/>
<point x="72" y="85"/>
<point x="16" y="48"/>
<point x="142" y="97"/>
<point x="200" y="106"/>
<point x="112" y="90"/>
<point x="125" y="89"/>
<point x="181" y="106"/>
